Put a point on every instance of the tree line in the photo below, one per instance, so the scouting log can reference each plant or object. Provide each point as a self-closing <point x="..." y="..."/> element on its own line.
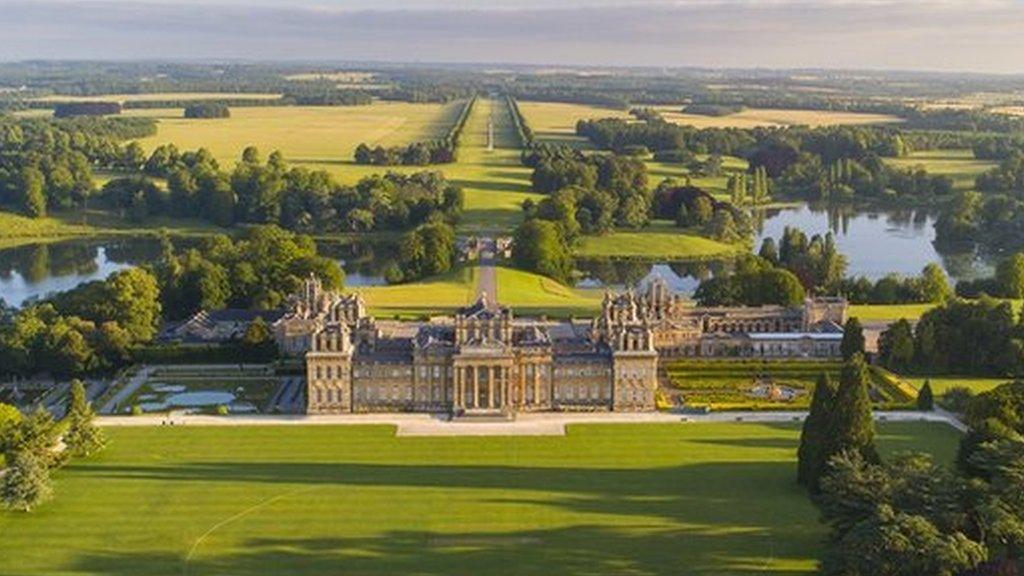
<point x="905" y="514"/>
<point x="442" y="151"/>
<point x="98" y="326"/>
<point x="207" y="110"/>
<point x="842" y="162"/>
<point x="48" y="164"/>
<point x="259" y="191"/>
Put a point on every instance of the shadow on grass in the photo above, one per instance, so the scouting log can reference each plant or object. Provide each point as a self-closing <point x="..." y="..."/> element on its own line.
<point x="569" y="551"/>
<point x="760" y="498"/>
<point x="489" y="185"/>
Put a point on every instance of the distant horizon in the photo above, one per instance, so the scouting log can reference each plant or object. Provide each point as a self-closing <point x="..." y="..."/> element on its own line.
<point x="948" y="36"/>
<point x="314" y="65"/>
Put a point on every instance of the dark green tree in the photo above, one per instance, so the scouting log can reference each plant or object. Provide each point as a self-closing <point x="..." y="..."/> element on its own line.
<point x="896" y="346"/>
<point x="810" y="464"/>
<point x="925" y="397"/>
<point x="26" y="482"/>
<point x="82" y="437"/>
<point x="538" y="247"/>
<point x="769" y="251"/>
<point x="32" y="189"/>
<point x="853" y="339"/>
<point x="851" y="426"/>
<point x="1010" y="276"/>
<point x="892" y="543"/>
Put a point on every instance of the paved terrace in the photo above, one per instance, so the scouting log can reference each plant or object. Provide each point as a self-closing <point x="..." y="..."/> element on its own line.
<point x="540" y="424"/>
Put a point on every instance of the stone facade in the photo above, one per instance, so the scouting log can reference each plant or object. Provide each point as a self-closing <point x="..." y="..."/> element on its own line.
<point x="483" y="359"/>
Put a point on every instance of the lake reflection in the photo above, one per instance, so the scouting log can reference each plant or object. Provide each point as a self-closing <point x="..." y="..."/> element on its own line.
<point x="30" y="272"/>
<point x="875" y="243"/>
<point x="34" y="271"/>
<point x="682" y="277"/>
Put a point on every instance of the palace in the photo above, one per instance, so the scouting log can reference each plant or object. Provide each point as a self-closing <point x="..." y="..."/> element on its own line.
<point x="483" y="359"/>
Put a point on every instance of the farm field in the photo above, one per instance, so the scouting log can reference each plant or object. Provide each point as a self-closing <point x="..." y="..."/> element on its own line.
<point x="319" y="137"/>
<point x="659" y="240"/>
<point x="960" y="165"/>
<point x="655" y="499"/>
<point x="755" y="117"/>
<point x="161" y="96"/>
<point x="533" y="295"/>
<point x="555" y="122"/>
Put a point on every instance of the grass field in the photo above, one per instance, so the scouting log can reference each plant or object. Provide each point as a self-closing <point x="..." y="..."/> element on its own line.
<point x="888" y="312"/>
<point x="660" y="240"/>
<point x="162" y="96"/>
<point x="494" y="181"/>
<point x="942" y="384"/>
<point x="322" y="137"/>
<point x="960" y="165"/>
<point x="18" y="230"/>
<point x="534" y="295"/>
<point x="755" y="117"/>
<point x="893" y="312"/>
<point x="555" y="122"/>
<point x="603" y="500"/>
<point x="436" y="295"/>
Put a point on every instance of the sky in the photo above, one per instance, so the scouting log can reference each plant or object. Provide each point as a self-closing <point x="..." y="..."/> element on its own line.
<point x="936" y="35"/>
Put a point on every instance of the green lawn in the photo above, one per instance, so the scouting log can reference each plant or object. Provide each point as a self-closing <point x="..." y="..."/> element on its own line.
<point x="660" y="240"/>
<point x="436" y="295"/>
<point x="960" y="165"/>
<point x="555" y="122"/>
<point x="16" y="230"/>
<point x="534" y="295"/>
<point x="888" y="312"/>
<point x="942" y="384"/>
<point x="894" y="312"/>
<point x="494" y="181"/>
<point x="613" y="499"/>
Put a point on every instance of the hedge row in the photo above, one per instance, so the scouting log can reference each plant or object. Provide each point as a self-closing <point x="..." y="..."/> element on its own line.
<point x="522" y="128"/>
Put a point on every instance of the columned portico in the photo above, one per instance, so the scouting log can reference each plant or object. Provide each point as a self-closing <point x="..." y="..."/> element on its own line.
<point x="482" y="384"/>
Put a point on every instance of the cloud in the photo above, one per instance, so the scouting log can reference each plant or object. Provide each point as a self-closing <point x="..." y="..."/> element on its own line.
<point x="977" y="35"/>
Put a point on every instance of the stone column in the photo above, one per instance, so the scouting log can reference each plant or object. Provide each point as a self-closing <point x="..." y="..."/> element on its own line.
<point x="522" y="384"/>
<point x="476" y="386"/>
<point x="457" y="387"/>
<point x="490" y="386"/>
<point x="536" y="384"/>
<point x="506" y="386"/>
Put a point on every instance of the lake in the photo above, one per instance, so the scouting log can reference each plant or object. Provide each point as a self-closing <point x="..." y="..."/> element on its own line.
<point x="35" y="270"/>
<point x="875" y="243"/>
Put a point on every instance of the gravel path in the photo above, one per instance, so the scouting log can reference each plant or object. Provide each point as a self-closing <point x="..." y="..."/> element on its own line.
<point x="487" y="282"/>
<point x="124" y="393"/>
